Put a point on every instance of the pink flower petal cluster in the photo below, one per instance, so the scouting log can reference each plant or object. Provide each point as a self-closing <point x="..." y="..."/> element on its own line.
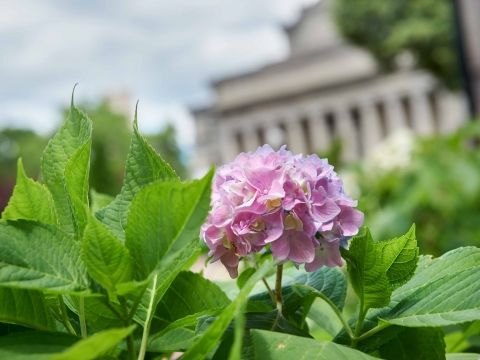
<point x="294" y="204"/>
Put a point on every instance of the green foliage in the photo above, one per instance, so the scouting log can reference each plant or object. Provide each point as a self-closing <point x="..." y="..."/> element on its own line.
<point x="388" y="28"/>
<point x="270" y="346"/>
<point x="375" y="269"/>
<point x="30" y="201"/>
<point x="118" y="277"/>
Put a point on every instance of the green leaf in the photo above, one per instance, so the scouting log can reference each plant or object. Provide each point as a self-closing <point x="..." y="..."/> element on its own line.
<point x="65" y="169"/>
<point x="42" y="257"/>
<point x="95" y="346"/>
<point x="375" y="269"/>
<point x="244" y="276"/>
<point x="329" y="281"/>
<point x="164" y="218"/>
<point x="275" y="346"/>
<point x="99" y="201"/>
<point x="34" y="345"/>
<point x="160" y="283"/>
<point x="205" y="344"/>
<point x="25" y="307"/>
<point x="464" y="356"/>
<point x="143" y="167"/>
<point x="416" y="343"/>
<point x="428" y="271"/>
<point x="107" y="259"/>
<point x="177" y="336"/>
<point x="30" y="201"/>
<point x="188" y="294"/>
<point x="38" y="345"/>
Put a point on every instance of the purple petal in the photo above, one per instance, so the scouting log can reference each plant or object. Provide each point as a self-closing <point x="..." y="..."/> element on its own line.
<point x="325" y="212"/>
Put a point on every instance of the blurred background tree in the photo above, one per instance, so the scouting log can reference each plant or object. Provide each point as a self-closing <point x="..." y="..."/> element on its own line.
<point x="438" y="189"/>
<point x="389" y="29"/>
<point x="110" y="143"/>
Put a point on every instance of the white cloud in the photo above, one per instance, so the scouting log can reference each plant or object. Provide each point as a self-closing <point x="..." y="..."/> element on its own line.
<point x="164" y="52"/>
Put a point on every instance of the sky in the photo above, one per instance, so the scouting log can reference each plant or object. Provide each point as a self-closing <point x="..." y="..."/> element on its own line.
<point x="163" y="53"/>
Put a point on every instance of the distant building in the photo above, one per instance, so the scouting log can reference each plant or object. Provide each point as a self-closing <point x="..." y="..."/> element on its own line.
<point x="326" y="89"/>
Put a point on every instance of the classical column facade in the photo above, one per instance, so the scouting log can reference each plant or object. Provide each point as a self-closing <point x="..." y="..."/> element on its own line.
<point x="295" y="137"/>
<point x="319" y="135"/>
<point x="250" y="138"/>
<point x="423" y="121"/>
<point x="347" y="133"/>
<point x="370" y="125"/>
<point x="228" y="144"/>
<point x="394" y="114"/>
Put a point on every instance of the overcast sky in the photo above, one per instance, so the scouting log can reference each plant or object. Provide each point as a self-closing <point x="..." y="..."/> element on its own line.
<point x="164" y="53"/>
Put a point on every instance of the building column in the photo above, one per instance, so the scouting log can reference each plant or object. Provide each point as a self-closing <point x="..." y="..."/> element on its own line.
<point x="395" y="115"/>
<point x="370" y="126"/>
<point x="453" y="112"/>
<point x="347" y="134"/>
<point x="422" y="116"/>
<point x="250" y="138"/>
<point x="319" y="136"/>
<point x="295" y="137"/>
<point x="228" y="145"/>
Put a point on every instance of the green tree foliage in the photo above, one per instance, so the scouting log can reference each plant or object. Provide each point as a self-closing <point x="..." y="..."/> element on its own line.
<point x="439" y="192"/>
<point x="387" y="28"/>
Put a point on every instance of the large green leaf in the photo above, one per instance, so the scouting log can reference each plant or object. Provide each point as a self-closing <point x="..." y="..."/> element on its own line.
<point x="375" y="269"/>
<point x="329" y="281"/>
<point x="188" y="294"/>
<point x="107" y="259"/>
<point x="458" y="261"/>
<point x="205" y="344"/>
<point x="38" y="345"/>
<point x="40" y="256"/>
<point x="164" y="218"/>
<point x="25" y="307"/>
<point x="143" y="167"/>
<point x="275" y="346"/>
<point x="417" y="343"/>
<point x="65" y="169"/>
<point x="30" y="200"/>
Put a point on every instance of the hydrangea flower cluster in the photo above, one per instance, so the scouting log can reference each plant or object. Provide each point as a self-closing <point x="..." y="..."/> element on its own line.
<point x="296" y="205"/>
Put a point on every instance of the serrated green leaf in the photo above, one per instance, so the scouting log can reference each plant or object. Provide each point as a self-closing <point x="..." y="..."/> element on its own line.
<point x="205" y="344"/>
<point x="275" y="346"/>
<point x="329" y="281"/>
<point x="143" y="167"/>
<point x="65" y="169"/>
<point x="42" y="257"/>
<point x="107" y="259"/>
<point x="421" y="344"/>
<point x="428" y="271"/>
<point x="30" y="201"/>
<point x="188" y="294"/>
<point x="164" y="218"/>
<point x="375" y="269"/>
<point x="25" y="307"/>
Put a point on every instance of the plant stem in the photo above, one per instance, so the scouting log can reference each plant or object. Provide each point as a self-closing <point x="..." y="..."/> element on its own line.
<point x="65" y="320"/>
<point x="361" y="317"/>
<point x="272" y="295"/>
<point x="278" y="288"/>
<point x="373" y="331"/>
<point x="81" y="315"/>
<point x="148" y="321"/>
<point x="126" y="323"/>
<point x="338" y="313"/>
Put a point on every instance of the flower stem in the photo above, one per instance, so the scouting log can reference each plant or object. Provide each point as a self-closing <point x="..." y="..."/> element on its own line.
<point x="272" y="295"/>
<point x="65" y="320"/>
<point x="126" y="323"/>
<point x="338" y="313"/>
<point x="81" y="315"/>
<point x="278" y="288"/>
<point x="361" y="317"/>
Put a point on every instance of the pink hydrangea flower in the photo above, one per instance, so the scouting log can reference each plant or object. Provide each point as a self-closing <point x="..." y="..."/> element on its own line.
<point x="294" y="205"/>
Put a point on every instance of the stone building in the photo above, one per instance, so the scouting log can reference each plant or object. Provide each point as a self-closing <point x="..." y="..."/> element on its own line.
<point x="326" y="89"/>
